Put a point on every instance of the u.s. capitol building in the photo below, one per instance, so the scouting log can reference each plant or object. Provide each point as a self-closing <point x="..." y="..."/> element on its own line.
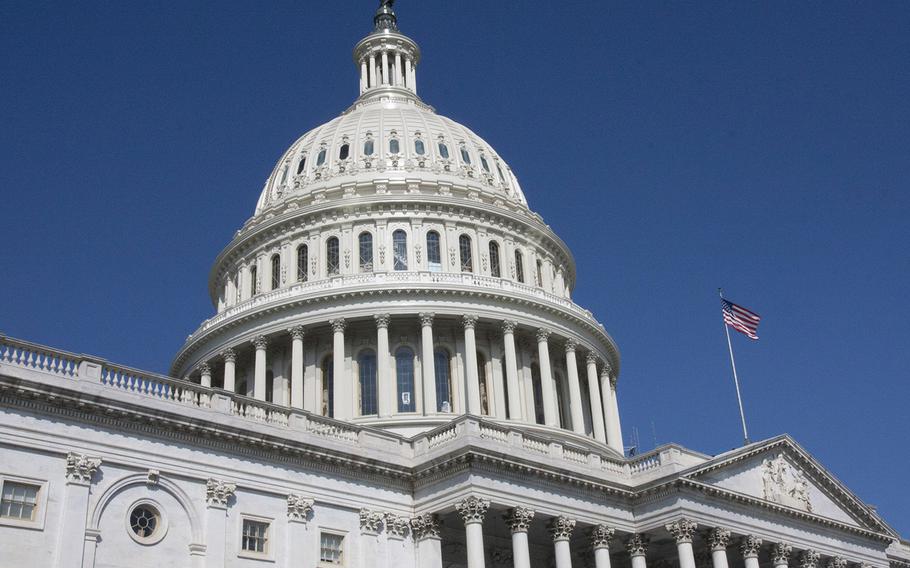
<point x="395" y="376"/>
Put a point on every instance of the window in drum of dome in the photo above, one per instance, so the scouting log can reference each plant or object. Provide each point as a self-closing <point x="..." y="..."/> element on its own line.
<point x="464" y="247"/>
<point x="302" y="262"/>
<point x="320" y="159"/>
<point x="366" y="252"/>
<point x="434" y="255"/>
<point x="344" y="152"/>
<point x="366" y="364"/>
<point x="519" y="267"/>
<point x="484" y="163"/>
<point x="443" y="150"/>
<point x="538" y="393"/>
<point x="394" y="146"/>
<point x="443" y="383"/>
<point x="332" y="263"/>
<point x="400" y="250"/>
<point x="482" y="380"/>
<point x="254" y="281"/>
<point x="276" y="272"/>
<point x="302" y="165"/>
<point x="328" y="386"/>
<point x="404" y="373"/>
<point x="419" y="147"/>
<point x="494" y="260"/>
<point x="284" y="175"/>
<point x="368" y="147"/>
<point x="499" y="169"/>
<point x="539" y="273"/>
<point x="465" y="157"/>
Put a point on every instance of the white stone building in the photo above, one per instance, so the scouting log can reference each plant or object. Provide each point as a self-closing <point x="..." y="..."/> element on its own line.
<point x="396" y="376"/>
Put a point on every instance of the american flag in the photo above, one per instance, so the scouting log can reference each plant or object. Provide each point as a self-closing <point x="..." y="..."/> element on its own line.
<point x="741" y="319"/>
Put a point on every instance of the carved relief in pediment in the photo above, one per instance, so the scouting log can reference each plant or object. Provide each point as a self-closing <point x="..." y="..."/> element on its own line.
<point x="784" y="484"/>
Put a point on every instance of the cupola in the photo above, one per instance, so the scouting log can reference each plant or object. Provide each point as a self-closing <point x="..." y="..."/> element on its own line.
<point x="387" y="59"/>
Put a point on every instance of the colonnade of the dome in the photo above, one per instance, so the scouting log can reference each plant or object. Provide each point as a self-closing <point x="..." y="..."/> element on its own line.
<point x="419" y="369"/>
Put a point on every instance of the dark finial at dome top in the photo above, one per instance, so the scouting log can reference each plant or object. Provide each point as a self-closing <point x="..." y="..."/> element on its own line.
<point x="385" y="19"/>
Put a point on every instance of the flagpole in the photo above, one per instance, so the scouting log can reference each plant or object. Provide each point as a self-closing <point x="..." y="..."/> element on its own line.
<point x="739" y="398"/>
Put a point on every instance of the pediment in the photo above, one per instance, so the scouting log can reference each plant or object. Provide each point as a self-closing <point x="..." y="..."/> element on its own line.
<point x="782" y="474"/>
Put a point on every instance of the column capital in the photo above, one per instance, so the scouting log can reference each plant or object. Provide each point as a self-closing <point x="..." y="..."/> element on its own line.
<point x="396" y="525"/>
<point x="260" y="342"/>
<point x="570" y="346"/>
<point x="426" y="318"/>
<point x="217" y="493"/>
<point x="682" y="530"/>
<point x="837" y="562"/>
<point x="425" y="526"/>
<point x="473" y="509"/>
<point x="80" y="468"/>
<point x="591" y="358"/>
<point x="781" y="553"/>
<point x="718" y="539"/>
<point x="542" y="334"/>
<point x="382" y="321"/>
<point x="371" y="521"/>
<point x="338" y="325"/>
<point x="299" y="507"/>
<point x="809" y="559"/>
<point x="469" y="321"/>
<point x="606" y="369"/>
<point x="561" y="528"/>
<point x="637" y="544"/>
<point x="204" y="369"/>
<point x="297" y="332"/>
<point x="509" y="326"/>
<point x="601" y="535"/>
<point x="229" y="355"/>
<point x="519" y="519"/>
<point x="750" y="546"/>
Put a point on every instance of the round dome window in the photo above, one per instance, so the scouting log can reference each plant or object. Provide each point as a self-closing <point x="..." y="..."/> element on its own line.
<point x="145" y="523"/>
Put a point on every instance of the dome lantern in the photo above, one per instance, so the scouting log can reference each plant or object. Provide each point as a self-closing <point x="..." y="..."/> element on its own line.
<point x="387" y="59"/>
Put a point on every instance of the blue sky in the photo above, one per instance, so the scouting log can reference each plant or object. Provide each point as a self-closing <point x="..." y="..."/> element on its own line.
<point x="676" y="147"/>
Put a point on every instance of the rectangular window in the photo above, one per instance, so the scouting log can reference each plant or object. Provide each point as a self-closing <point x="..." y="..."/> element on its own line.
<point x="19" y="501"/>
<point x="255" y="537"/>
<point x="331" y="549"/>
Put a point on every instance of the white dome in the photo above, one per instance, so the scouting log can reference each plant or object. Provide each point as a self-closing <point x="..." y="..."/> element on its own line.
<point x="360" y="147"/>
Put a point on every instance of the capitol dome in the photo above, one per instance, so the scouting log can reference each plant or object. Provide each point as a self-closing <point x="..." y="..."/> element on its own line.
<point x="392" y="275"/>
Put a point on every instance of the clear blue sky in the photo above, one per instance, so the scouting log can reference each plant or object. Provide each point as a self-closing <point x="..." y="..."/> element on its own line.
<point x="676" y="147"/>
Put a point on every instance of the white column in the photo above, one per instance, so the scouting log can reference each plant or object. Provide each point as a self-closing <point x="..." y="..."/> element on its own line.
<point x="343" y="397"/>
<point x="428" y="364"/>
<point x="601" y="535"/>
<point x="561" y="529"/>
<point x="398" y="73"/>
<point x="575" y="408"/>
<point x="472" y="510"/>
<point x="750" y="546"/>
<point x="299" y="510"/>
<point x="205" y="375"/>
<point x="384" y="385"/>
<point x="74" y="509"/>
<point x="614" y="436"/>
<point x="297" y="333"/>
<point x="637" y="545"/>
<point x="519" y="520"/>
<point x="780" y="556"/>
<point x="217" y="495"/>
<point x="718" y="539"/>
<point x="508" y="340"/>
<point x="551" y="415"/>
<point x="372" y="70"/>
<point x="370" y="526"/>
<point x="230" y="373"/>
<point x="470" y="363"/>
<point x="385" y="68"/>
<point x="682" y="531"/>
<point x="363" y="76"/>
<point x="425" y="529"/>
<point x="409" y="68"/>
<point x="597" y="414"/>
<point x="260" y="343"/>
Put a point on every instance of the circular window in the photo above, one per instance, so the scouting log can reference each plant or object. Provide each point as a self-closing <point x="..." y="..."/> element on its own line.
<point x="145" y="523"/>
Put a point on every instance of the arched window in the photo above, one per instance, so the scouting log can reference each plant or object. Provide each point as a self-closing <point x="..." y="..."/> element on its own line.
<point x="482" y="380"/>
<point x="404" y="373"/>
<point x="499" y="169"/>
<point x="301" y="166"/>
<point x="332" y="262"/>
<point x="539" y="273"/>
<point x="368" y="147"/>
<point x="419" y="148"/>
<point x="276" y="272"/>
<point x="320" y="159"/>
<point x="284" y="174"/>
<point x="328" y="386"/>
<point x="443" y="150"/>
<point x="465" y="157"/>
<point x="400" y="250"/>
<point x="443" y="382"/>
<point x="303" y="259"/>
<point x="254" y="280"/>
<point x="366" y="364"/>
<point x="538" y="394"/>
<point x="366" y="252"/>
<point x="434" y="254"/>
<point x="519" y="267"/>
<point x="495" y="271"/>
<point x="464" y="246"/>
<point x="484" y="163"/>
<point x="344" y="151"/>
<point x="394" y="146"/>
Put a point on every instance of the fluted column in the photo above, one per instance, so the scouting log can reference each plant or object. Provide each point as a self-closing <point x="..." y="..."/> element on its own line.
<point x="473" y="509"/>
<point x="607" y="387"/>
<point x="637" y="545"/>
<point x="425" y="529"/>
<point x="363" y="76"/>
<point x="428" y="364"/>
<point x="398" y="73"/>
<point x="561" y="529"/>
<point x="550" y="413"/>
<point x="385" y="68"/>
<point x="750" y="547"/>
<point x="343" y="397"/>
<point x="260" y="343"/>
<point x="597" y="414"/>
<point x="508" y="340"/>
<point x="470" y="363"/>
<point x="205" y="375"/>
<point x="601" y="535"/>
<point x="297" y="333"/>
<point x="386" y="389"/>
<point x="372" y="70"/>
<point x="519" y="520"/>
<point x="780" y="556"/>
<point x="230" y="373"/>
<point x="682" y="531"/>
<point x="718" y="539"/>
<point x="575" y="409"/>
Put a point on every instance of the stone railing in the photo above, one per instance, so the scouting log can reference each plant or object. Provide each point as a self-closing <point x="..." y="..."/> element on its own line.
<point x="153" y="385"/>
<point x="29" y="355"/>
